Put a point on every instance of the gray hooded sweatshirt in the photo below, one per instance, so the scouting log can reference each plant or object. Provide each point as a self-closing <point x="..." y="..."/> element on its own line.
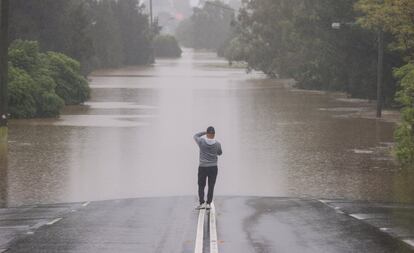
<point x="209" y="150"/>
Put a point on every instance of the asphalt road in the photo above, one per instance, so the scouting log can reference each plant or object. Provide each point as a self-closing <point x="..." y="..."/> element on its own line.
<point x="244" y="224"/>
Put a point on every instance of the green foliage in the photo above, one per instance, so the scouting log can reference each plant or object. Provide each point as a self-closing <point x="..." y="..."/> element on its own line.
<point x="234" y="50"/>
<point x="40" y="84"/>
<point x="166" y="46"/>
<point x="404" y="134"/>
<point x="71" y="86"/>
<point x="208" y="28"/>
<point x="184" y="33"/>
<point x="22" y="89"/>
<point x="392" y="16"/>
<point x="24" y="55"/>
<point x="294" y="39"/>
<point x="396" y="17"/>
<point x="97" y="33"/>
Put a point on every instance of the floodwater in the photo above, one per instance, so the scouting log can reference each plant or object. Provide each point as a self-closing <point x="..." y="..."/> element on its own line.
<point x="134" y="139"/>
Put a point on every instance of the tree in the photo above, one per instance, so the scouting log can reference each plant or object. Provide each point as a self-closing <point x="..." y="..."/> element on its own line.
<point x="294" y="39"/>
<point x="208" y="28"/>
<point x="166" y="46"/>
<point x="97" y="33"/>
<point x="40" y="84"/>
<point x="396" y="18"/>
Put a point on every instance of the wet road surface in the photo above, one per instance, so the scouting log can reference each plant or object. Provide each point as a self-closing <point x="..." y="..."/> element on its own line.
<point x="295" y="225"/>
<point x="244" y="224"/>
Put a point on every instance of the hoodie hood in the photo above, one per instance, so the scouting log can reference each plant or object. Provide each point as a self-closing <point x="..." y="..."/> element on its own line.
<point x="210" y="141"/>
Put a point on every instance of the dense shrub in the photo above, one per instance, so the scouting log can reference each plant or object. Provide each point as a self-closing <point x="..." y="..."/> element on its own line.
<point x="166" y="46"/>
<point x="71" y="86"/>
<point x="40" y="84"/>
<point x="404" y="134"/>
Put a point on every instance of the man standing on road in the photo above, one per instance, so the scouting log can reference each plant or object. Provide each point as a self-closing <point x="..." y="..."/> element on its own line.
<point x="209" y="150"/>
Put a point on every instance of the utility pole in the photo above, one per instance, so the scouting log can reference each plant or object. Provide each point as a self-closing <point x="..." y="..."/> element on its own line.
<point x="380" y="70"/>
<point x="151" y="17"/>
<point x="4" y="44"/>
<point x="152" y="53"/>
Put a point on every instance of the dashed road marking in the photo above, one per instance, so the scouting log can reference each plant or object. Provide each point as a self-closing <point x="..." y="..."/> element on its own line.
<point x="213" y="230"/>
<point x="53" y="221"/>
<point x="86" y="203"/>
<point x="200" y="232"/>
<point x="365" y="216"/>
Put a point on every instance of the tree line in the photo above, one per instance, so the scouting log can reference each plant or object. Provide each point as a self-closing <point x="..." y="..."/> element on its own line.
<point x="209" y="27"/>
<point x="97" y="33"/>
<point x="294" y="39"/>
<point x="397" y="19"/>
<point x="55" y="43"/>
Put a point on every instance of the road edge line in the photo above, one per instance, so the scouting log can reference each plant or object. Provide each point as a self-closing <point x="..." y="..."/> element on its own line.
<point x="213" y="230"/>
<point x="200" y="232"/>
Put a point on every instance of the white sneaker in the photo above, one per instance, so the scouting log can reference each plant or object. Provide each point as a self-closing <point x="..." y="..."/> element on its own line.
<point x="201" y="206"/>
<point x="208" y="207"/>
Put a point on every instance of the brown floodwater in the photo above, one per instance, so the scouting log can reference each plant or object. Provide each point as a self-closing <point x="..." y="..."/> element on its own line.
<point x="134" y="139"/>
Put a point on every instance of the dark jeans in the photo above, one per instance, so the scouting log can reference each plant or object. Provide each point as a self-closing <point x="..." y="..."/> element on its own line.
<point x="203" y="174"/>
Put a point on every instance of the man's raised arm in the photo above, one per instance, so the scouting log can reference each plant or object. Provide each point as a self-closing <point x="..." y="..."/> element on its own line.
<point x="197" y="137"/>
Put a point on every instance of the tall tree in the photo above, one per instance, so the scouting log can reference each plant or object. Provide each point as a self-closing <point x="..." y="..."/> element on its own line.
<point x="396" y="17"/>
<point x="294" y="38"/>
<point x="208" y="28"/>
<point x="4" y="42"/>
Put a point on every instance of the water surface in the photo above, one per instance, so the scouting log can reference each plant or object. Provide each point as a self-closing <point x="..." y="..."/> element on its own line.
<point x="134" y="139"/>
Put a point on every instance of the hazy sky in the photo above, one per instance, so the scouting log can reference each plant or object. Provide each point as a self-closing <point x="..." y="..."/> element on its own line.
<point x="193" y="2"/>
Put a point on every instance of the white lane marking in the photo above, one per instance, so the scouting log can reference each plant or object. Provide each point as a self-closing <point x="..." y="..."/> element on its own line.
<point x="213" y="230"/>
<point x="409" y="242"/>
<point x="365" y="216"/>
<point x="200" y="232"/>
<point x="86" y="203"/>
<point x="53" y="221"/>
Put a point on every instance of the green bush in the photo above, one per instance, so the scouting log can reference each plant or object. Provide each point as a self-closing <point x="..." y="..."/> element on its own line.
<point x="22" y="103"/>
<point x="166" y="46"/>
<point x="40" y="84"/>
<point x="404" y="134"/>
<point x="71" y="86"/>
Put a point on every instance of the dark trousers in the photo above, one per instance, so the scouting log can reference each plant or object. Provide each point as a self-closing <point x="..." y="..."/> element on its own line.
<point x="203" y="174"/>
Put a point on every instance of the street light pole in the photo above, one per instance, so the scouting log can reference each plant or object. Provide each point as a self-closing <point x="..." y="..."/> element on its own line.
<point x="151" y="17"/>
<point x="4" y="44"/>
<point x="152" y="53"/>
<point x="380" y="70"/>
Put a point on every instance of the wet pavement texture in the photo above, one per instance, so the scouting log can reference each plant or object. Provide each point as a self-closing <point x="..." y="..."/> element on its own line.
<point x="244" y="224"/>
<point x="133" y="138"/>
<point x="129" y="225"/>
<point x="295" y="225"/>
<point x="22" y="221"/>
<point x="395" y="219"/>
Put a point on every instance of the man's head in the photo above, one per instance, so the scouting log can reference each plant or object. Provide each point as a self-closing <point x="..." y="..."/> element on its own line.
<point x="211" y="132"/>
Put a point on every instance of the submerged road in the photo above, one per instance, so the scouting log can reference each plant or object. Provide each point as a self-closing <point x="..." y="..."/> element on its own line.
<point x="244" y="224"/>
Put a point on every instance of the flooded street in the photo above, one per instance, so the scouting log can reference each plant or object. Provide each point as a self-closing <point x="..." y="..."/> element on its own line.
<point x="134" y="139"/>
